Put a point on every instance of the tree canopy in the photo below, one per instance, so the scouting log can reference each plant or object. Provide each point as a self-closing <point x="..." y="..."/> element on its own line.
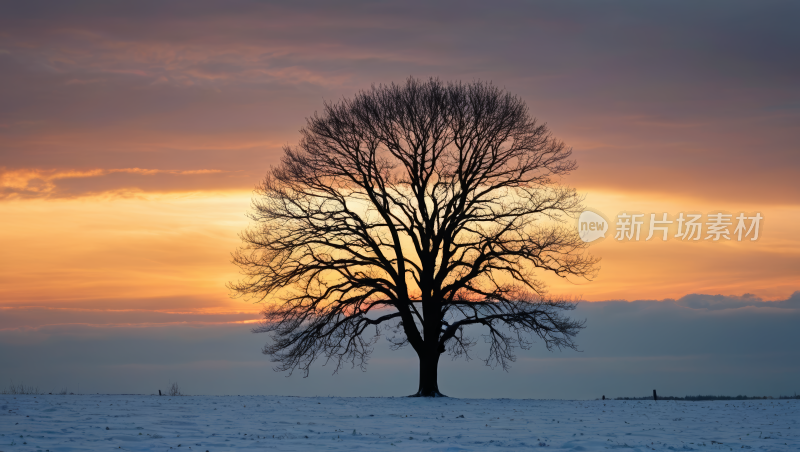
<point x="422" y="208"/>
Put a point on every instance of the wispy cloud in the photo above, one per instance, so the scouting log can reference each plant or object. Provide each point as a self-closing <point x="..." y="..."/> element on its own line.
<point x="35" y="317"/>
<point x="39" y="183"/>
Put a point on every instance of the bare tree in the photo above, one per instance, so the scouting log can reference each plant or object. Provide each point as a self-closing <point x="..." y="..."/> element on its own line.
<point x="174" y="390"/>
<point x="422" y="208"/>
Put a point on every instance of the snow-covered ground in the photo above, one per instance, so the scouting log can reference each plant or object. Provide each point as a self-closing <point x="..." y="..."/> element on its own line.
<point x="205" y="423"/>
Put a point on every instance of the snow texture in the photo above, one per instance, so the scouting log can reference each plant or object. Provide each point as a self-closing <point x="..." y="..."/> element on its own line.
<point x="206" y="423"/>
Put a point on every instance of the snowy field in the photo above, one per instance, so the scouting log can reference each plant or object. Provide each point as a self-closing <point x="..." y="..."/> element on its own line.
<point x="205" y="423"/>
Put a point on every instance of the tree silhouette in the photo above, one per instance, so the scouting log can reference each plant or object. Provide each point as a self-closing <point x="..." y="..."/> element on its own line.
<point x="421" y="209"/>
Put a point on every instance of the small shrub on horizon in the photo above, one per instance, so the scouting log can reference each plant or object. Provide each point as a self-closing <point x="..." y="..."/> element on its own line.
<point x="20" y="389"/>
<point x="174" y="390"/>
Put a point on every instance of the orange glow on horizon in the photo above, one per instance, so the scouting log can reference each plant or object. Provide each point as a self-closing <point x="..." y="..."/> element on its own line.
<point x="170" y="254"/>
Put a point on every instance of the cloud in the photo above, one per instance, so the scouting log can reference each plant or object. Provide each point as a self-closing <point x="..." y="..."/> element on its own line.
<point x="640" y="102"/>
<point x="627" y="349"/>
<point x="721" y="302"/>
<point x="37" y="317"/>
<point x="54" y="183"/>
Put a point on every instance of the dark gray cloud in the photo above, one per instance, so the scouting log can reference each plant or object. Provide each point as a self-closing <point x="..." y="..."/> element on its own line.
<point x="721" y="302"/>
<point x="700" y="344"/>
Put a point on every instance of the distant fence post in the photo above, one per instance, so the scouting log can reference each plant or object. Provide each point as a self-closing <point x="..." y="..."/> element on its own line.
<point x="655" y="396"/>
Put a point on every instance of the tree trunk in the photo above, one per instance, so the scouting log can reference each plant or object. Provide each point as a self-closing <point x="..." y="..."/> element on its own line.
<point x="428" y="375"/>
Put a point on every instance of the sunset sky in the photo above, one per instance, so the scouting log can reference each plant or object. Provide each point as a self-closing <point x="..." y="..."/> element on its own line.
<point x="132" y="134"/>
